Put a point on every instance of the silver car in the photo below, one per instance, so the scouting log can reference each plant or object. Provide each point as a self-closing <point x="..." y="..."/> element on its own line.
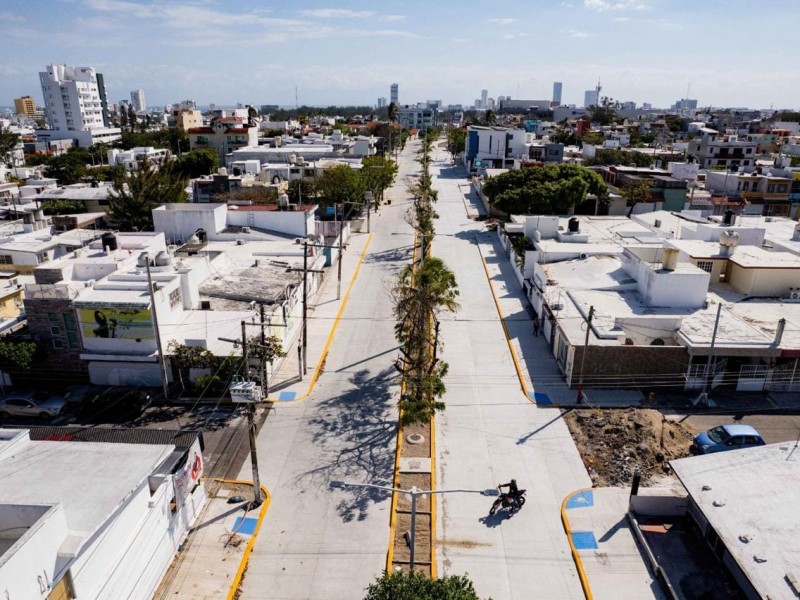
<point x="31" y="404"/>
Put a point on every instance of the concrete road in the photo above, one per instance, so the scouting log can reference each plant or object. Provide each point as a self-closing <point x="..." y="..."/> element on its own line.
<point x="773" y="428"/>
<point x="322" y="543"/>
<point x="490" y="432"/>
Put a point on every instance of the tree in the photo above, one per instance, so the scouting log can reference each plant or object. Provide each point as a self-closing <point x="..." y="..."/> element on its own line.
<point x="674" y="123"/>
<point x="456" y="141"/>
<point x="341" y="185"/>
<point x="67" y="168"/>
<point x="606" y="112"/>
<point x="490" y="118"/>
<point x="301" y="191"/>
<point x="393" y="112"/>
<point x="566" y="137"/>
<point x="626" y="158"/>
<point x="132" y="117"/>
<point x="635" y="192"/>
<point x="17" y="356"/>
<point x="197" y="163"/>
<point x="378" y="174"/>
<point x="401" y="585"/>
<point x="133" y="198"/>
<point x="8" y="142"/>
<point x="183" y="358"/>
<point x="548" y="190"/>
<point x="266" y="349"/>
<point x="63" y="207"/>
<point x="256" y="194"/>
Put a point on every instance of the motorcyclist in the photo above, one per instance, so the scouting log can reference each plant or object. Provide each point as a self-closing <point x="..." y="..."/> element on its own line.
<point x="513" y="490"/>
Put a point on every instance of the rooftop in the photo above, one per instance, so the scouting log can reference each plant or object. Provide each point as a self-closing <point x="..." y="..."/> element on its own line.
<point x="751" y="495"/>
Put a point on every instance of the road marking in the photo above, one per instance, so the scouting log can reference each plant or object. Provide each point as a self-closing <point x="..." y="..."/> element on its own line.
<point x="587" y="591"/>
<point x="249" y="548"/>
<point x="323" y="357"/>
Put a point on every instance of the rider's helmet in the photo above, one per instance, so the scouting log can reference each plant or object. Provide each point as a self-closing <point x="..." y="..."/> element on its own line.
<point x="514" y="482"/>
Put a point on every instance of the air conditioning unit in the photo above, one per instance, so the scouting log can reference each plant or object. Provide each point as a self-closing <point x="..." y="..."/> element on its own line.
<point x="795" y="295"/>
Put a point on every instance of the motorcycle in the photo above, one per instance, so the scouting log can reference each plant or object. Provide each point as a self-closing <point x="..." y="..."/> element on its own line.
<point x="515" y="502"/>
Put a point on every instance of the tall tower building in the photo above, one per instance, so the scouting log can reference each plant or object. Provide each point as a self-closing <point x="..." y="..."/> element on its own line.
<point x="137" y="100"/>
<point x="25" y="106"/>
<point x="394" y="94"/>
<point x="556" y="93"/>
<point x="381" y="102"/>
<point x="71" y="98"/>
<point x="484" y="95"/>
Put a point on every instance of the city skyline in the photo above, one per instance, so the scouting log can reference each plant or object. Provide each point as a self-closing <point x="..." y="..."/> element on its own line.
<point x="651" y="51"/>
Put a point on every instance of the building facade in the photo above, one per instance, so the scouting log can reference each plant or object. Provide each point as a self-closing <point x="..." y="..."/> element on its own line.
<point x="137" y="100"/>
<point x="224" y="134"/>
<point x="556" y="93"/>
<point x="394" y="94"/>
<point x="25" y="106"/>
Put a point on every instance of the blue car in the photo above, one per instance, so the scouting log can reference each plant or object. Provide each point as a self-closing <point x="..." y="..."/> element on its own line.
<point x="726" y="437"/>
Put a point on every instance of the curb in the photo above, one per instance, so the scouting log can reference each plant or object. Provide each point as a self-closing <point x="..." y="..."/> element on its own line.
<point x="587" y="591"/>
<point x="237" y="579"/>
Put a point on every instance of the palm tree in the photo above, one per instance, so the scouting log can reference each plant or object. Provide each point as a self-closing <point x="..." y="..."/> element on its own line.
<point x="393" y="112"/>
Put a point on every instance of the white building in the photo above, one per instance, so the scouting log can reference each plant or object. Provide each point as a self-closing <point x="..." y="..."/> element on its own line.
<point x="137" y="100"/>
<point x="74" y="104"/>
<point x="130" y="159"/>
<point x="484" y="96"/>
<point x="96" y="519"/>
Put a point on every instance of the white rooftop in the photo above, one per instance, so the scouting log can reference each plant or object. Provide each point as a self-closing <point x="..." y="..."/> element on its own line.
<point x="89" y="479"/>
<point x="756" y="492"/>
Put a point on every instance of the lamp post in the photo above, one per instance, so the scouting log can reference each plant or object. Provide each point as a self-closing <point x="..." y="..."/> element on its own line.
<point x="414" y="493"/>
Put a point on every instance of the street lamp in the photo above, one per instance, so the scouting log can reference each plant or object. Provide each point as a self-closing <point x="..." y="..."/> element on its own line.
<point x="414" y="493"/>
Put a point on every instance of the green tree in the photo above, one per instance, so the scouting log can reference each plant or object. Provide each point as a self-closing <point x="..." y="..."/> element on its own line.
<point x="196" y="163"/>
<point x="133" y="198"/>
<point x="266" y="349"/>
<point x="63" y="207"/>
<point x="18" y="356"/>
<point x="8" y="142"/>
<point x="635" y="192"/>
<point x="606" y="112"/>
<point x="490" y="118"/>
<point x="418" y="586"/>
<point x="612" y="156"/>
<point x="392" y="111"/>
<point x="456" y="141"/>
<point x="548" y="190"/>
<point x="566" y="137"/>
<point x="341" y="185"/>
<point x="378" y="174"/>
<point x="132" y="119"/>
<point x="301" y="191"/>
<point x="67" y="168"/>
<point x="184" y="357"/>
<point x="674" y="123"/>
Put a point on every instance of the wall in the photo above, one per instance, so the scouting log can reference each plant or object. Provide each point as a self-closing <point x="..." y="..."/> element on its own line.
<point x="290" y="222"/>
<point x="679" y="289"/>
<point x="748" y="236"/>
<point x="179" y="222"/>
<point x="763" y="281"/>
<point x="659" y="506"/>
<point x="631" y="366"/>
<point x="146" y="374"/>
<point x="546" y="225"/>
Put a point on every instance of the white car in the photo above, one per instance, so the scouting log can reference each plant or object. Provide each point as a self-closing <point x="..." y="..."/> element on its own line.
<point x="31" y="404"/>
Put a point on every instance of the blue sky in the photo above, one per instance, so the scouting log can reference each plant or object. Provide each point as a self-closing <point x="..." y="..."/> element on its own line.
<point x="730" y="52"/>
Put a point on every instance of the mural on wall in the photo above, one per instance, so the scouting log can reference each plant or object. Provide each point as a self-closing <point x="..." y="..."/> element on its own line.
<point x="124" y="323"/>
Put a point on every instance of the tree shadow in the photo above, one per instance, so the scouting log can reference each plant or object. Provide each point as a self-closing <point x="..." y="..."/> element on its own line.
<point x="357" y="431"/>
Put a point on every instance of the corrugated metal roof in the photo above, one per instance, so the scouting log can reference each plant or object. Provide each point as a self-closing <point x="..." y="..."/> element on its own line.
<point x="177" y="438"/>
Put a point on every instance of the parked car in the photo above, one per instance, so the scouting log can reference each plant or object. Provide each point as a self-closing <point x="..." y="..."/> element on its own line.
<point x="726" y="437"/>
<point x="32" y="403"/>
<point x="114" y="405"/>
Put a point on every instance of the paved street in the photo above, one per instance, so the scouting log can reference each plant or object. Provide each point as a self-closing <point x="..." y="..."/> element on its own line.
<point x="315" y="542"/>
<point x="490" y="432"/>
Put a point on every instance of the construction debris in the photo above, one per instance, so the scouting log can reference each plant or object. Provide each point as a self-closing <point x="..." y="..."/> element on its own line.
<point x="615" y="442"/>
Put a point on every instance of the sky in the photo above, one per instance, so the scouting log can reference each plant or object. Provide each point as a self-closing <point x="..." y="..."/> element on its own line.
<point x="732" y="53"/>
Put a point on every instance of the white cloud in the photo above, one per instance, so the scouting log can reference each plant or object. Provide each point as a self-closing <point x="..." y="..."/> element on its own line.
<point x="502" y="21"/>
<point x="9" y="17"/>
<point x="577" y="33"/>
<point x="604" y="5"/>
<point x="623" y="19"/>
<point x="337" y="13"/>
<point x="511" y="36"/>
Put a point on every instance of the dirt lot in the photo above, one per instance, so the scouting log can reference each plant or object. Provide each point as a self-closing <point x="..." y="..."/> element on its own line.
<point x="613" y="442"/>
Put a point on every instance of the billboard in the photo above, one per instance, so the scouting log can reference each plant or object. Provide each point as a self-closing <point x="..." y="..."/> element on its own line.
<point x="124" y="323"/>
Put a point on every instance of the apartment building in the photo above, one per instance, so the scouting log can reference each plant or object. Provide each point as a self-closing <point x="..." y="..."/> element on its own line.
<point x="25" y="105"/>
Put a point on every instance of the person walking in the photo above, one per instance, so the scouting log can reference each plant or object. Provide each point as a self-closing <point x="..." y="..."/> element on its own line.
<point x="536" y="327"/>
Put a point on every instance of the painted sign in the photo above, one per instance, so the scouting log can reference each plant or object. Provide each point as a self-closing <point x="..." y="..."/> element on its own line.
<point x="188" y="476"/>
<point x="124" y="323"/>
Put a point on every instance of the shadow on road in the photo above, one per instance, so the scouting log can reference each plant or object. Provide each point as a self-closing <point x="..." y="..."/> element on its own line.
<point x="357" y="430"/>
<point x="496" y="519"/>
<point x="528" y="436"/>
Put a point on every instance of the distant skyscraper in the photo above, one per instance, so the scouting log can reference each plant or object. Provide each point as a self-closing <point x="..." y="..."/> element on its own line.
<point x="381" y="102"/>
<point x="394" y="94"/>
<point x="25" y="105"/>
<point x="137" y="100"/>
<point x="556" y="93"/>
<point x="484" y="95"/>
<point x="591" y="98"/>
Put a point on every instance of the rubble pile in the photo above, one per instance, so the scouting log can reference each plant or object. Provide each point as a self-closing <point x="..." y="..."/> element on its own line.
<point x="615" y="442"/>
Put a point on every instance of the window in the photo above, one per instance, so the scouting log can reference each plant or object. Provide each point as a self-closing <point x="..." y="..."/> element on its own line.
<point x="58" y="344"/>
<point x="706" y="265"/>
<point x="55" y="330"/>
<point x="69" y="322"/>
<point x="657" y="342"/>
<point x="749" y="151"/>
<point x="72" y="338"/>
<point x="54" y="317"/>
<point x="771" y="188"/>
<point x="5" y="259"/>
<point x="174" y="297"/>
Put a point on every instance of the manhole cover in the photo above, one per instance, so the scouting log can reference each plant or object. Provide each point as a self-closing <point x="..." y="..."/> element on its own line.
<point x="415" y="438"/>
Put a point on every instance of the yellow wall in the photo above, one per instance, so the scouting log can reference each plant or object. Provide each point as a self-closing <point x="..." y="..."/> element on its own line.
<point x="25" y="105"/>
<point x="763" y="281"/>
<point x="8" y="307"/>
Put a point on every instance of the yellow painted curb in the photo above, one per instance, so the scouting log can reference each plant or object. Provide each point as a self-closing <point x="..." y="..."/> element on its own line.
<point x="587" y="591"/>
<point x="433" y="500"/>
<point x="324" y="355"/>
<point x="249" y="548"/>
<point x="517" y="366"/>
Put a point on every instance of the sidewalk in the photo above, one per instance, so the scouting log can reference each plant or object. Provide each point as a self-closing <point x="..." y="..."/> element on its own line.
<point x="214" y="556"/>
<point x="596" y="521"/>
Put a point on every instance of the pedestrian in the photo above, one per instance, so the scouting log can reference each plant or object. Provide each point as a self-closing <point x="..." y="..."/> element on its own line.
<point x="536" y="327"/>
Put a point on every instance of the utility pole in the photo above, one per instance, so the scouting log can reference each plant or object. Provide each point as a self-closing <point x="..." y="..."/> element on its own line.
<point x="161" y="358"/>
<point x="251" y="424"/>
<point x="339" y="266"/>
<point x="579" y="399"/>
<point x="305" y="306"/>
<point x="709" y="372"/>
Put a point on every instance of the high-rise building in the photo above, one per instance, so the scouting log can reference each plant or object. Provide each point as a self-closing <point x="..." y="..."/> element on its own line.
<point x="484" y="95"/>
<point x="137" y="100"/>
<point x="556" y="93"/>
<point x="74" y="105"/>
<point x="101" y="89"/>
<point x="591" y="98"/>
<point x="394" y="94"/>
<point x="381" y="102"/>
<point x="25" y="106"/>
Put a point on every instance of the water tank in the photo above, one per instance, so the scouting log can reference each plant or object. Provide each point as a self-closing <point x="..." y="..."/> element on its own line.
<point x="109" y="241"/>
<point x="222" y="171"/>
<point x="143" y="260"/>
<point x="202" y="235"/>
<point x="670" y="259"/>
<point x="292" y="159"/>
<point x="537" y="235"/>
<point x="728" y="219"/>
<point x="574" y="225"/>
<point x="163" y="259"/>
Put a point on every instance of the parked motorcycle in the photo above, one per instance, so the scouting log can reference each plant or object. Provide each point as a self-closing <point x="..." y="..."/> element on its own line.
<point x="514" y="502"/>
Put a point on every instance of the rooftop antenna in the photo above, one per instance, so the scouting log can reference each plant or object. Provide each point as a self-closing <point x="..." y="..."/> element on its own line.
<point x="599" y="87"/>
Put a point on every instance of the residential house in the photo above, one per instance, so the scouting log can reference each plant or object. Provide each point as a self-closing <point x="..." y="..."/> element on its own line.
<point x="225" y="135"/>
